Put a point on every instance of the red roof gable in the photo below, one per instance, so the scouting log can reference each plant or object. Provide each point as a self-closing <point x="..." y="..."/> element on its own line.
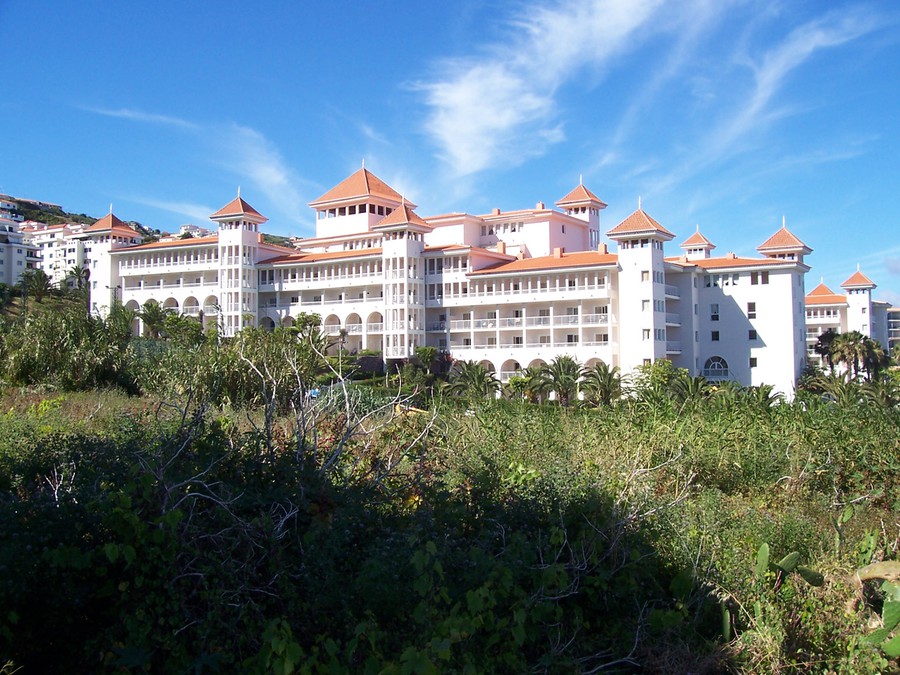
<point x="402" y="215"/>
<point x="639" y="221"/>
<point x="110" y="222"/>
<point x="580" y="194"/>
<point x="549" y="262"/>
<point x="783" y="239"/>
<point x="363" y="183"/>
<point x="858" y="280"/>
<point x="697" y="240"/>
<point x="237" y="207"/>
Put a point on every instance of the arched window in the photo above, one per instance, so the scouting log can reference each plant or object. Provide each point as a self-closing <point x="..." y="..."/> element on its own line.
<point x="716" y="368"/>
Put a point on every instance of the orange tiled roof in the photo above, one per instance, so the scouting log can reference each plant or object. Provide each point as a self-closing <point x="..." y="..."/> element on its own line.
<point x="237" y="207"/>
<point x="783" y="239"/>
<point x="734" y="261"/>
<point x="402" y="215"/>
<point x="193" y="241"/>
<point x="549" y="262"/>
<point x="697" y="240"/>
<point x="822" y="295"/>
<point x="302" y="257"/>
<point x="363" y="183"/>
<point x="580" y="194"/>
<point x="858" y="280"/>
<point x="109" y="222"/>
<point x="639" y="221"/>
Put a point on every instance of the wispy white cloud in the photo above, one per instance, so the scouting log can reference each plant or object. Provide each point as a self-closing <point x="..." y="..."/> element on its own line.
<point x="774" y="67"/>
<point x="502" y="107"/>
<point x="740" y="125"/>
<point x="197" y="214"/>
<point x="251" y="156"/>
<point x="241" y="150"/>
<point x="141" y="116"/>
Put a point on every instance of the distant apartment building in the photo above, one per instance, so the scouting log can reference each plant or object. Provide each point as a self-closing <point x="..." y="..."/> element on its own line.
<point x="854" y="310"/>
<point x="16" y="252"/>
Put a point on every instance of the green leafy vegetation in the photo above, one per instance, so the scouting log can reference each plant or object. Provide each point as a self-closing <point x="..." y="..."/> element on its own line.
<point x="260" y="504"/>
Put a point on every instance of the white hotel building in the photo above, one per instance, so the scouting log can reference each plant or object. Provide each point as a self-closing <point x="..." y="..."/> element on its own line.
<point x="508" y="289"/>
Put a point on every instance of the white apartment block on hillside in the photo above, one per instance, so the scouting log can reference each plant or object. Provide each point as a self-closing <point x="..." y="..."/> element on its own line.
<point x="509" y="289"/>
<point x="17" y="254"/>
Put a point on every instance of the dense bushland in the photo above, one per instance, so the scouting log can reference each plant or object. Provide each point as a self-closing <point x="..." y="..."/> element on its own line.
<point x="229" y="519"/>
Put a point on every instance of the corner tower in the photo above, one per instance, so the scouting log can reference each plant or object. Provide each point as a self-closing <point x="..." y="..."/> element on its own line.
<point x="859" y="302"/>
<point x="642" y="290"/>
<point x="583" y="204"/>
<point x="238" y="254"/>
<point x="403" y="246"/>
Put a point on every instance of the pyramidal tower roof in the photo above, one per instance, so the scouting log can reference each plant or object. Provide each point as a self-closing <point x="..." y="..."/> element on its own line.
<point x="580" y="195"/>
<point x="783" y="240"/>
<point x="238" y="207"/>
<point x="697" y="240"/>
<point x="858" y="280"/>
<point x="637" y="223"/>
<point x="111" y="222"/>
<point x="403" y="215"/>
<point x="362" y="183"/>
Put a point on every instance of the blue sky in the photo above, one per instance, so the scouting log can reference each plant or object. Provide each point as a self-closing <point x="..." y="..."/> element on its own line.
<point x="718" y="113"/>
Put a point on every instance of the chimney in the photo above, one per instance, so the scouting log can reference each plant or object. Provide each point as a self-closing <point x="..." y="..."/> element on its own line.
<point x="602" y="248"/>
<point x="539" y="206"/>
<point x="501" y="247"/>
<point x="496" y="212"/>
<point x="558" y="252"/>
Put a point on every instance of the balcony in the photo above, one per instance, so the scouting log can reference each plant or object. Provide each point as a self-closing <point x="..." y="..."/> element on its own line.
<point x="672" y="292"/>
<point x="673" y="319"/>
<point x="673" y="347"/>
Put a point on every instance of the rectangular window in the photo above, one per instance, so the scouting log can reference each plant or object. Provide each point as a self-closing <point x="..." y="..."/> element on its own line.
<point x="764" y="277"/>
<point x="751" y="335"/>
<point x="714" y="312"/>
<point x="751" y="310"/>
<point x="753" y="362"/>
<point x="645" y="275"/>
<point x="754" y="278"/>
<point x="646" y="333"/>
<point x="544" y="339"/>
<point x="645" y="305"/>
<point x="517" y="340"/>
<point x="715" y="336"/>
<point x="571" y="338"/>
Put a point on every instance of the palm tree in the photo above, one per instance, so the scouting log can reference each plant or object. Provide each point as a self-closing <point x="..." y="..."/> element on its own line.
<point x="685" y="388"/>
<point x="36" y="283"/>
<point x="849" y="349"/>
<point x="823" y="348"/>
<point x="561" y="376"/>
<point x="472" y="380"/>
<point x="602" y="385"/>
<point x="79" y="275"/>
<point x="154" y="317"/>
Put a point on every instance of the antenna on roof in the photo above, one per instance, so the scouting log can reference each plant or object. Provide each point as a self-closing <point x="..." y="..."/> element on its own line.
<point x="110" y="208"/>
<point x="364" y="163"/>
<point x="239" y="190"/>
<point x="698" y="228"/>
<point x="639" y="202"/>
<point x="857" y="267"/>
<point x="783" y="221"/>
<point x="581" y="179"/>
<point x="821" y="280"/>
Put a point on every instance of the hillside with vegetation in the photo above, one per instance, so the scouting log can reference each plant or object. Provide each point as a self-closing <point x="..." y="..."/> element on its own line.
<point x="267" y="503"/>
